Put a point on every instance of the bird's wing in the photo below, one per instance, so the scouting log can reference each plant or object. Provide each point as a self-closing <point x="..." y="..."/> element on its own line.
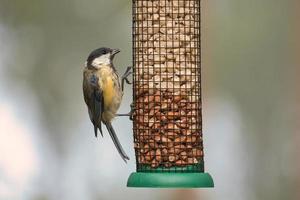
<point x="93" y="97"/>
<point x="98" y="109"/>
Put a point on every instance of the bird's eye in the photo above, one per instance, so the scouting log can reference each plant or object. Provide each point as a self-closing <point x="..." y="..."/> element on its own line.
<point x="103" y="51"/>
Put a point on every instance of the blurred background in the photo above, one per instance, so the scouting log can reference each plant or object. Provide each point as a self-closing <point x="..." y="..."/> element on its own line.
<point x="250" y="95"/>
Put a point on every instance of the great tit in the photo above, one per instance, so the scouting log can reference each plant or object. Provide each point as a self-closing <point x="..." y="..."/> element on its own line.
<point x="103" y="92"/>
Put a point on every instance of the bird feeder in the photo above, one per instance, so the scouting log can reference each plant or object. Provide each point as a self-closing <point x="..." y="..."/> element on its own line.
<point x="167" y="117"/>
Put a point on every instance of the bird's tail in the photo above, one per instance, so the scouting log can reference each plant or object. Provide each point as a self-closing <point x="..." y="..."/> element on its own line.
<point x="115" y="139"/>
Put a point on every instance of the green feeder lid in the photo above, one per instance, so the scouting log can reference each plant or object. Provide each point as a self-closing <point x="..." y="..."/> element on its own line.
<point x="170" y="180"/>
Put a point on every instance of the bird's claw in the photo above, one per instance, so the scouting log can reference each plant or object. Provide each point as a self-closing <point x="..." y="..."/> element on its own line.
<point x="130" y="114"/>
<point x="125" y="77"/>
<point x="131" y="111"/>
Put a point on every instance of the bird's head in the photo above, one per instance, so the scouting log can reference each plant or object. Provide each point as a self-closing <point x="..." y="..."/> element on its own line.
<point x="100" y="57"/>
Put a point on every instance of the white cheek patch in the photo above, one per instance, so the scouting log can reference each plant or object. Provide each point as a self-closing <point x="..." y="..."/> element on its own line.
<point x="102" y="60"/>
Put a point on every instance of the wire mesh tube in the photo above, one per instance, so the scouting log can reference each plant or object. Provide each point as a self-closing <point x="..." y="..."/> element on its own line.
<point x="167" y="120"/>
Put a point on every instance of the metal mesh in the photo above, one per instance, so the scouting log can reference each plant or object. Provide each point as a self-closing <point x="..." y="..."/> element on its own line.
<point x="167" y="120"/>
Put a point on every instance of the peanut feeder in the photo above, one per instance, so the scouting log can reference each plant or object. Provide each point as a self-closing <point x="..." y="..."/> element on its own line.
<point x="167" y="119"/>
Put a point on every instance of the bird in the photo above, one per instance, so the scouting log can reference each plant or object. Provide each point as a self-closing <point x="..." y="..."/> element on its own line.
<point x="103" y="93"/>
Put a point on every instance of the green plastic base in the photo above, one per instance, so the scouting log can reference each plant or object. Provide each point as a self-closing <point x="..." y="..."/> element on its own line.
<point x="170" y="180"/>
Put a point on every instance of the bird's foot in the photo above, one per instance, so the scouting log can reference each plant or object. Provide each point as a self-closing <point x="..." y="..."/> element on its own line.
<point x="130" y="114"/>
<point x="125" y="77"/>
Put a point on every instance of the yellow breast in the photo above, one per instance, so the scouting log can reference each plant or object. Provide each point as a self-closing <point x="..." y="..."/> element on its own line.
<point x="108" y="91"/>
<point x="107" y="86"/>
<point x="112" y="94"/>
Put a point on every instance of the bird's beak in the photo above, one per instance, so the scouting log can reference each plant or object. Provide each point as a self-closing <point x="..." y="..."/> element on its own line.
<point x="115" y="51"/>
